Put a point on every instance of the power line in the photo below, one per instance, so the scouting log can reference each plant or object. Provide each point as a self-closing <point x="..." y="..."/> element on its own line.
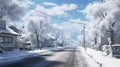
<point x="59" y="18"/>
<point x="84" y="45"/>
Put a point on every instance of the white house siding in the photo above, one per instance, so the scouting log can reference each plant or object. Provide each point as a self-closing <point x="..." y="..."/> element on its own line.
<point x="8" y="45"/>
<point x="117" y="39"/>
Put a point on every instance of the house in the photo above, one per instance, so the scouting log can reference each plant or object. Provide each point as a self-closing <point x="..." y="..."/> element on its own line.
<point x="15" y="29"/>
<point x="7" y="37"/>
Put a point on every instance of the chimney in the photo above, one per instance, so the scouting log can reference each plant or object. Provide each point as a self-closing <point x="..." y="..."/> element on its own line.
<point x="2" y="24"/>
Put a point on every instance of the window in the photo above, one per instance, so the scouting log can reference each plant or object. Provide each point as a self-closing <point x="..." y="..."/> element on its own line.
<point x="10" y="39"/>
<point x="7" y="39"/>
<point x="1" y="39"/>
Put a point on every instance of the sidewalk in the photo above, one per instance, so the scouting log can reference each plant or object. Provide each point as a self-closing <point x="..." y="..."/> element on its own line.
<point x="17" y="55"/>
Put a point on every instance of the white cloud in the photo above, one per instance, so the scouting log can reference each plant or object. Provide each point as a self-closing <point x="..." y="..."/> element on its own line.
<point x="24" y="3"/>
<point x="49" y="4"/>
<point x="56" y="26"/>
<point x="71" y="27"/>
<point x="80" y="11"/>
<point x="57" y="10"/>
<point x="78" y="21"/>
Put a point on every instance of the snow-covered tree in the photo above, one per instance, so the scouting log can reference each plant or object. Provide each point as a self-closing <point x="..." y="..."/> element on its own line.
<point x="104" y="21"/>
<point x="34" y="31"/>
<point x="10" y="10"/>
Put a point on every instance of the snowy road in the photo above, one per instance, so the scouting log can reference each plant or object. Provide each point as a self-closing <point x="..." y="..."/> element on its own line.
<point x="57" y="58"/>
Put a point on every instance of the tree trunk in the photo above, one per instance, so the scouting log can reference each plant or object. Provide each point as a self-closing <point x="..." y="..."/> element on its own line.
<point x="37" y="39"/>
<point x="40" y="42"/>
<point x="112" y="37"/>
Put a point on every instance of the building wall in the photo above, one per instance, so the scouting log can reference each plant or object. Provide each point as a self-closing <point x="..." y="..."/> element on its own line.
<point x="117" y="38"/>
<point x="8" y="45"/>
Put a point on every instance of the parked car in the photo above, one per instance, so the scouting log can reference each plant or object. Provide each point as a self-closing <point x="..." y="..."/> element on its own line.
<point x="116" y="50"/>
<point x="27" y="46"/>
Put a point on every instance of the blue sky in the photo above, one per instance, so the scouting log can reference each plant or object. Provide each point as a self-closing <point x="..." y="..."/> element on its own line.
<point x="70" y="12"/>
<point x="73" y="14"/>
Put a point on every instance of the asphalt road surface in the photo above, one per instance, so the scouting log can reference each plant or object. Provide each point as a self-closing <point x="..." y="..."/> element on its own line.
<point x="58" y="58"/>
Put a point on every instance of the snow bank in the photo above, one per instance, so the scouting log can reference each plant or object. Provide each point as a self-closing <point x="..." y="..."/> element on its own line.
<point x="16" y="55"/>
<point x="106" y="61"/>
<point x="91" y="62"/>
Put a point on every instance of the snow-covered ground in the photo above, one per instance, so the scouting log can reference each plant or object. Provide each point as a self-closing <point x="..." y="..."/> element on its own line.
<point x="16" y="54"/>
<point x="90" y="62"/>
<point x="100" y="57"/>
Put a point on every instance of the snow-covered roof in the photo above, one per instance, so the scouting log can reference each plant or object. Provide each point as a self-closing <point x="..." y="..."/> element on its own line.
<point x="8" y="31"/>
<point x="116" y="45"/>
<point x="49" y="36"/>
<point x="4" y="29"/>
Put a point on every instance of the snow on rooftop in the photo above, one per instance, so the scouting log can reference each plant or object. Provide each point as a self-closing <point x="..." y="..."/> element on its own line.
<point x="5" y="29"/>
<point x="8" y="31"/>
<point x="49" y="35"/>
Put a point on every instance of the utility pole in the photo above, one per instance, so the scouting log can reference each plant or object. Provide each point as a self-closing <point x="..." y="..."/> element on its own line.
<point x="40" y="46"/>
<point x="69" y="21"/>
<point x="102" y="1"/>
<point x="84" y="44"/>
<point x="84" y="38"/>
